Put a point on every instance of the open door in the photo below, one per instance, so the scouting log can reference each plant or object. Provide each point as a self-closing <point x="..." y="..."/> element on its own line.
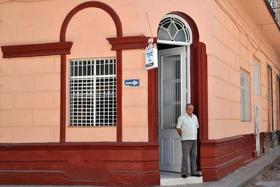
<point x="172" y="100"/>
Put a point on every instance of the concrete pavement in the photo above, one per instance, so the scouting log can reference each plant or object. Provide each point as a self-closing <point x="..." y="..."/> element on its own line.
<point x="243" y="175"/>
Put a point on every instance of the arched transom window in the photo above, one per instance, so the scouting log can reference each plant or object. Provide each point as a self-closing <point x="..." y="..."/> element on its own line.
<point x="174" y="30"/>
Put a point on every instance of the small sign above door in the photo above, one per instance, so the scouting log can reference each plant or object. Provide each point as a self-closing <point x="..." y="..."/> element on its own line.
<point x="151" y="60"/>
<point x="132" y="82"/>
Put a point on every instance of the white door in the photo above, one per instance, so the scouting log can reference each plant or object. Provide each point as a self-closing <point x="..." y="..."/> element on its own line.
<point x="172" y="101"/>
<point x="257" y="128"/>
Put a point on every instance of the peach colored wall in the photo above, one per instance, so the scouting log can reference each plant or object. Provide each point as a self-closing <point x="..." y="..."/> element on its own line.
<point x="29" y="101"/>
<point x="30" y="86"/>
<point x="40" y="22"/>
<point x="135" y="99"/>
<point x="229" y="50"/>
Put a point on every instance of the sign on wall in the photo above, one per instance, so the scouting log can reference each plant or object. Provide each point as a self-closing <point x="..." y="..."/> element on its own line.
<point x="132" y="82"/>
<point x="151" y="55"/>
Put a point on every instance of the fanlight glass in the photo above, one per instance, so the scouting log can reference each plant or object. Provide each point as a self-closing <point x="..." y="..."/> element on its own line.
<point x="173" y="30"/>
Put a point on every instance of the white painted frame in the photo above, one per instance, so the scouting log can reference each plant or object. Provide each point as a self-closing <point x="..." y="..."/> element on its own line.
<point x="188" y="30"/>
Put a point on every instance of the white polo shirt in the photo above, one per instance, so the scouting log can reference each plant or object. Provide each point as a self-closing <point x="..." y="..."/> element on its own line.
<point x="188" y="126"/>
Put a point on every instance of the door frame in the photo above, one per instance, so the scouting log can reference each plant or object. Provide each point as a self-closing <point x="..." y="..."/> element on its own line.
<point x="199" y="87"/>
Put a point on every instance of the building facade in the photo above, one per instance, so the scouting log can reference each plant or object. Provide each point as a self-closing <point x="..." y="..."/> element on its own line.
<point x="79" y="107"/>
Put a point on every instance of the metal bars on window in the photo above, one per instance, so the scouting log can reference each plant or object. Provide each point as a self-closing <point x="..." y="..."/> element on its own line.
<point x="93" y="92"/>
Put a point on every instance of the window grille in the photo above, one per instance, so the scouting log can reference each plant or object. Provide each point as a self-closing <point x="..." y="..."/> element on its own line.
<point x="93" y="92"/>
<point x="172" y="30"/>
<point x="245" y="95"/>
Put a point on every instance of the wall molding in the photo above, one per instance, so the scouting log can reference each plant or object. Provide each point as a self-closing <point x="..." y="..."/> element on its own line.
<point x="78" y="146"/>
<point x="105" y="164"/>
<point x="119" y="34"/>
<point x="31" y="50"/>
<point x="129" y="42"/>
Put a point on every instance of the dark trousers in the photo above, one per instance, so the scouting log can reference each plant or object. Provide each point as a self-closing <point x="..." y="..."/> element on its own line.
<point x="189" y="147"/>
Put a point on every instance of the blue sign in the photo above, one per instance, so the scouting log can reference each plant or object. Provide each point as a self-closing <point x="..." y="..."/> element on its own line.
<point x="132" y="82"/>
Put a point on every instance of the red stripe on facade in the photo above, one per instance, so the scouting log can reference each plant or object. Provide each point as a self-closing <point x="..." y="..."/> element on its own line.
<point x="31" y="50"/>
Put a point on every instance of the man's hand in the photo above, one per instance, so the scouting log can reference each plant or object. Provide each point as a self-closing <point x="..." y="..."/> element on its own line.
<point x="179" y="131"/>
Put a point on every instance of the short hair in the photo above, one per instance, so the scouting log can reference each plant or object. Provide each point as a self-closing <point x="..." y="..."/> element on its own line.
<point x="189" y="104"/>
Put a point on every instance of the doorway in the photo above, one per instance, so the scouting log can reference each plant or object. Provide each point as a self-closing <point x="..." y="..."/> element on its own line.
<point x="172" y="79"/>
<point x="174" y="40"/>
<point x="174" y="92"/>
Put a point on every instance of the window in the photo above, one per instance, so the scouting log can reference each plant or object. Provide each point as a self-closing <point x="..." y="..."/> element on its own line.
<point x="172" y="29"/>
<point x="93" y="92"/>
<point x="257" y="78"/>
<point x="245" y="95"/>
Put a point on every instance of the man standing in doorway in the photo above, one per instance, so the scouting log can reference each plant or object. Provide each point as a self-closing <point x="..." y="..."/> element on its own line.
<point x="187" y="128"/>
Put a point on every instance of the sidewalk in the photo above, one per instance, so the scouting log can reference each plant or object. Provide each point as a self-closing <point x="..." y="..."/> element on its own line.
<point x="243" y="175"/>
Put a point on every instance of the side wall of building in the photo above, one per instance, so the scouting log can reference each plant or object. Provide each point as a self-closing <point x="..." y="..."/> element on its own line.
<point x="234" y="43"/>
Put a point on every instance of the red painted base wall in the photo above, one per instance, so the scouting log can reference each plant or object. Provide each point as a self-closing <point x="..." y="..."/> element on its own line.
<point x="221" y="157"/>
<point x="73" y="164"/>
<point x="115" y="164"/>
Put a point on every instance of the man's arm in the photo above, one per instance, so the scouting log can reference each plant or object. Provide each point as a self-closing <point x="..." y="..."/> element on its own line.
<point x="179" y="131"/>
<point x="179" y="126"/>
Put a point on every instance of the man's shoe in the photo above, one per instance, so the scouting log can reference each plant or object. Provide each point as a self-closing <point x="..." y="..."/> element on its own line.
<point x="184" y="175"/>
<point x="196" y="174"/>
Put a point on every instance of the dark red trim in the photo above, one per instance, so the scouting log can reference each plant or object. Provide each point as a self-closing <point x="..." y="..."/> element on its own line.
<point x="116" y="19"/>
<point x="62" y="98"/>
<point x="119" y="95"/>
<point x="152" y="105"/>
<point x="129" y="42"/>
<point x="78" y="146"/>
<point x="31" y="50"/>
<point x="91" y="4"/>
<point x="249" y="148"/>
<point x="202" y="86"/>
<point x="102" y="164"/>
<point x="222" y="141"/>
<point x="221" y="157"/>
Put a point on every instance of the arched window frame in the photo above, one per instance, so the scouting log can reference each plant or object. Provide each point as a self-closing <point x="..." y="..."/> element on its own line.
<point x="187" y="31"/>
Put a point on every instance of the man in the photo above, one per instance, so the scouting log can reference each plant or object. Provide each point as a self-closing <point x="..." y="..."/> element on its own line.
<point x="187" y="128"/>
